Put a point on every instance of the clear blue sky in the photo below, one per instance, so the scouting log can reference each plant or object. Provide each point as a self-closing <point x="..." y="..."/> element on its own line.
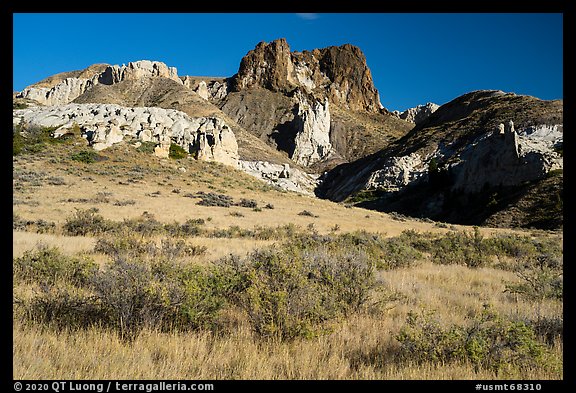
<point x="414" y="58"/>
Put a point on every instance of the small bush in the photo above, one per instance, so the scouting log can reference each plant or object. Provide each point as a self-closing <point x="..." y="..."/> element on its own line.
<point x="65" y="307"/>
<point x="307" y="214"/>
<point x="490" y="342"/>
<point x="146" y="225"/>
<point x="540" y="278"/>
<point x="87" y="222"/>
<point x="461" y="248"/>
<point x="146" y="147"/>
<point x="177" y="152"/>
<point x="249" y="203"/>
<point x="38" y="226"/>
<point x="85" y="156"/>
<point x="213" y="199"/>
<point x="47" y="265"/>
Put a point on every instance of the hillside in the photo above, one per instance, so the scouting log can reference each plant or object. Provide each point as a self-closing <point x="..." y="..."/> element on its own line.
<point x="449" y="166"/>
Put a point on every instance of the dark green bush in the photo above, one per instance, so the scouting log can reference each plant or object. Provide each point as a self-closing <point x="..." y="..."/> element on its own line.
<point x="147" y="147"/>
<point x="85" y="156"/>
<point x="177" y="152"/>
<point x="32" y="139"/>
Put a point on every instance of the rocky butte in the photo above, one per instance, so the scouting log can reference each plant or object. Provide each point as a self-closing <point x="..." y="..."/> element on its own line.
<point x="312" y="122"/>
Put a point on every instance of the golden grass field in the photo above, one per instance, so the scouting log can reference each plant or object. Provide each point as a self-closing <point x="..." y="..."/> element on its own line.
<point x="360" y="346"/>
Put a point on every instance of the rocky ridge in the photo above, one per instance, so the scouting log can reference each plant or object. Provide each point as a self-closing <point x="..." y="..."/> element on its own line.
<point x="68" y="89"/>
<point x="418" y="114"/>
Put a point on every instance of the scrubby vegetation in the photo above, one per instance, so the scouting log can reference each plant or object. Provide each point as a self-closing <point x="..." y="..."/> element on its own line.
<point x="163" y="288"/>
<point x="305" y="287"/>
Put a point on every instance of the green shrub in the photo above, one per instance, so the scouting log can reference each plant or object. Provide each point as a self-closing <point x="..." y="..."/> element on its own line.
<point x="47" y="265"/>
<point x="490" y="342"/>
<point x="289" y="293"/>
<point x="85" y="156"/>
<point x="147" y="147"/>
<point x="461" y="248"/>
<point x="540" y="278"/>
<point x="213" y="199"/>
<point x="177" y="152"/>
<point x="146" y="225"/>
<point x="65" y="307"/>
<point x="32" y="139"/>
<point x="87" y="222"/>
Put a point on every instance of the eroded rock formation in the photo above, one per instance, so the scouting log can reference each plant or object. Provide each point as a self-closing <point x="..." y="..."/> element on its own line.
<point x="207" y="138"/>
<point x="312" y="140"/>
<point x="337" y="73"/>
<point x="418" y="114"/>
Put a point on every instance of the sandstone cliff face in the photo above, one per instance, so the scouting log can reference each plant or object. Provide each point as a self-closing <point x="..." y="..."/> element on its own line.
<point x="60" y="94"/>
<point x="103" y="125"/>
<point x="337" y="73"/>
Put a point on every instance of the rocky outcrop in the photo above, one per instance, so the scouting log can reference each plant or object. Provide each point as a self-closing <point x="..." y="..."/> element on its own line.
<point x="212" y="90"/>
<point x="282" y="176"/>
<point x="503" y="158"/>
<point x="207" y="138"/>
<point x="68" y="89"/>
<point x="62" y="93"/>
<point x="136" y="70"/>
<point x="312" y="140"/>
<point x="418" y="114"/>
<point x="337" y="73"/>
<point x="500" y="157"/>
<point x="397" y="173"/>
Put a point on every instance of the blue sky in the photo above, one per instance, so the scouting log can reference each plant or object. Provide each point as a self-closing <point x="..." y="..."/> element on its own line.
<point x="414" y="58"/>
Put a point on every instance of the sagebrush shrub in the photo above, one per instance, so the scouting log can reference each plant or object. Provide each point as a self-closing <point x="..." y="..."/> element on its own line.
<point x="489" y="342"/>
<point x="47" y="265"/>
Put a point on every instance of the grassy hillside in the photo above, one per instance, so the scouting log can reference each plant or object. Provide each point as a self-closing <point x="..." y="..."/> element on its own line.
<point x="179" y="269"/>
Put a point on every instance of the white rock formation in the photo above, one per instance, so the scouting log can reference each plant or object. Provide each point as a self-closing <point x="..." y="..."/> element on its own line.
<point x="211" y="90"/>
<point x="397" y="173"/>
<point x="282" y="176"/>
<point x="508" y="159"/>
<point x="418" y="114"/>
<point x="312" y="141"/>
<point x="501" y="157"/>
<point x="103" y="125"/>
<point x="138" y="69"/>
<point x="67" y="90"/>
<point x="60" y="94"/>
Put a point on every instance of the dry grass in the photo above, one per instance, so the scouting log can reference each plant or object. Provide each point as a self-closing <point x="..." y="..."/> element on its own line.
<point x="361" y="346"/>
